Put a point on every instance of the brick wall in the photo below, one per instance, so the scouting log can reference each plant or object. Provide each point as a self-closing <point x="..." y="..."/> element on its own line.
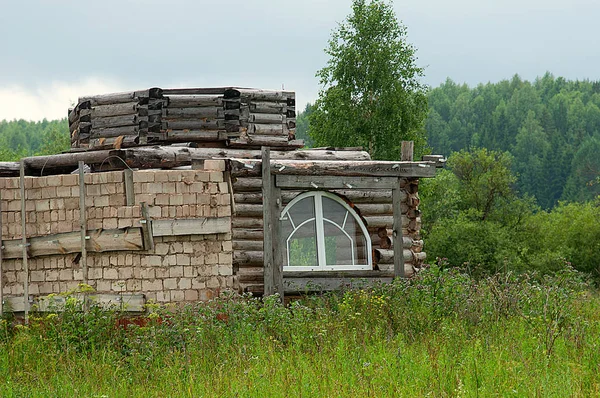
<point x="180" y="268"/>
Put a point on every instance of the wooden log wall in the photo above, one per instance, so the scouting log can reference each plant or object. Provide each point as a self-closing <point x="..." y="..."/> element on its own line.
<point x="236" y="117"/>
<point x="373" y="205"/>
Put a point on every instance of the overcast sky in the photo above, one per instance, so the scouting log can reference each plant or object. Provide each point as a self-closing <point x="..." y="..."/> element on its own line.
<point x="53" y="51"/>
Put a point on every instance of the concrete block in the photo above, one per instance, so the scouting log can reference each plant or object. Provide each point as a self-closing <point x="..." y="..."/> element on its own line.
<point x="170" y="283"/>
<point x="177" y="295"/>
<point x="176" y="271"/>
<point x="214" y="164"/>
<point x="191" y="295"/>
<point x="110" y="273"/>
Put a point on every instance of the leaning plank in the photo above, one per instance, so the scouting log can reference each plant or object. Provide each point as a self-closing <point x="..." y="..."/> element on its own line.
<point x="101" y="240"/>
<point x="191" y="226"/>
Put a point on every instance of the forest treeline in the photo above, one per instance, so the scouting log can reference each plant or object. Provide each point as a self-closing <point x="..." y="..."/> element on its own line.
<point x="550" y="126"/>
<point x="20" y="138"/>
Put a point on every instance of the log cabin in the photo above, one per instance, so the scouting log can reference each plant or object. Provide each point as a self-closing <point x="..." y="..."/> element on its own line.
<point x="177" y="195"/>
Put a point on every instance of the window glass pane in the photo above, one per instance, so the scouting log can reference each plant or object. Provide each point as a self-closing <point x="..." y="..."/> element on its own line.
<point x="339" y="248"/>
<point x="360" y="242"/>
<point x="301" y="211"/>
<point x="334" y="211"/>
<point x="301" y="248"/>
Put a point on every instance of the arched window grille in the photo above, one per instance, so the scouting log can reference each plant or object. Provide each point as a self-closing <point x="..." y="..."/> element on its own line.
<point x="321" y="232"/>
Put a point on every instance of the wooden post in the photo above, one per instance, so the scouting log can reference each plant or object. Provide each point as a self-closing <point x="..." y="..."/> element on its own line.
<point x="407" y="151"/>
<point x="276" y="240"/>
<point x="24" y="245"/>
<point x="83" y="222"/>
<point x="268" y="210"/>
<point x="129" y="193"/>
<point x="397" y="242"/>
<point x="147" y="234"/>
<point x="1" y="249"/>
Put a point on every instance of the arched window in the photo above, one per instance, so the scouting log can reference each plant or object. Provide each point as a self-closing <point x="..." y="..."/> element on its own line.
<point x="321" y="232"/>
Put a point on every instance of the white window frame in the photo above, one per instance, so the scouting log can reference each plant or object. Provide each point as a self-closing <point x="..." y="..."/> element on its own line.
<point x="319" y="219"/>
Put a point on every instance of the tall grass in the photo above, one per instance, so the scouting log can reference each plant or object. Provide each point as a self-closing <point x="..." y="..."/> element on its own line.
<point x="442" y="333"/>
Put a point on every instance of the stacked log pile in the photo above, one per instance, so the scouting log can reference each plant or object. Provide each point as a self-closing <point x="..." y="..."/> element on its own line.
<point x="234" y="117"/>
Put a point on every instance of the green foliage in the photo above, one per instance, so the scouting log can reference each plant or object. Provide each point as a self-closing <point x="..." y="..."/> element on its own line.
<point x="20" y="138"/>
<point x="371" y="94"/>
<point x="442" y="333"/>
<point x="302" y="124"/>
<point x="544" y="124"/>
<point x="474" y="219"/>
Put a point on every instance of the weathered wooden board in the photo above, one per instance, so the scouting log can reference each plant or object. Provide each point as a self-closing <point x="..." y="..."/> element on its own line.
<point x="334" y="182"/>
<point x="314" y="284"/>
<point x="100" y="240"/>
<point x="251" y="167"/>
<point x="122" y="302"/>
<point x="191" y="226"/>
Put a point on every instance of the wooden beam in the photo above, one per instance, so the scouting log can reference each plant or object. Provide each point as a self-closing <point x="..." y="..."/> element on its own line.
<point x="268" y="209"/>
<point x="315" y="284"/>
<point x="191" y="226"/>
<point x="407" y="151"/>
<point x="83" y="222"/>
<point x="397" y="241"/>
<point x="334" y="182"/>
<point x="147" y="227"/>
<point x="1" y="273"/>
<point x="252" y="167"/>
<point x="24" y="244"/>
<point x="278" y="242"/>
<point x="100" y="240"/>
<point x="128" y="302"/>
<point x="129" y="191"/>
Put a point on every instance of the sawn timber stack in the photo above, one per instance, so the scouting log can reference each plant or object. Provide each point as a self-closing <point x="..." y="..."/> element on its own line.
<point x="222" y="116"/>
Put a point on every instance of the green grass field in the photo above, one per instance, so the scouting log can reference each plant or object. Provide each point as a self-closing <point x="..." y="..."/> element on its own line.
<point x="439" y="334"/>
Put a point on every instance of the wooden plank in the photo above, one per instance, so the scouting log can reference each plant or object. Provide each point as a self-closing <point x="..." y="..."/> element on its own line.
<point x="129" y="192"/>
<point x="147" y="227"/>
<point x="126" y="108"/>
<point x="191" y="226"/>
<point x="100" y="240"/>
<point x="1" y="272"/>
<point x="114" y="121"/>
<point x="196" y="124"/>
<point x="278" y="240"/>
<point x="83" y="221"/>
<point x="407" y="149"/>
<point x="307" y="285"/>
<point x="334" y="182"/>
<point x="195" y="135"/>
<point x="171" y="113"/>
<point x="111" y="132"/>
<point x="128" y="302"/>
<point x="373" y="168"/>
<point x="268" y="209"/>
<point x="192" y="101"/>
<point x="397" y="241"/>
<point x="24" y="244"/>
<point x="9" y="169"/>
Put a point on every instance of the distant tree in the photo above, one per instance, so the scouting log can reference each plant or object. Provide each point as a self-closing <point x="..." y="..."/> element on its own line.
<point x="302" y="123"/>
<point x="371" y="95"/>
